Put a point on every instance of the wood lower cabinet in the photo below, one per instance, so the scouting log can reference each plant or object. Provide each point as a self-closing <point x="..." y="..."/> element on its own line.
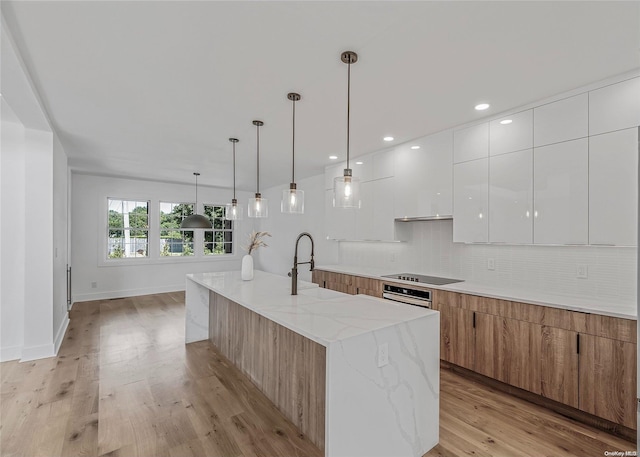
<point x="348" y="284"/>
<point x="559" y="365"/>
<point x="456" y="334"/>
<point x="608" y="379"/>
<point x="508" y="350"/>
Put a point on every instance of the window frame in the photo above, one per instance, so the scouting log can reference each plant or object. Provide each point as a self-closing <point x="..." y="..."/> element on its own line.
<point x="214" y="230"/>
<point x="163" y="258"/>
<point x="104" y="246"/>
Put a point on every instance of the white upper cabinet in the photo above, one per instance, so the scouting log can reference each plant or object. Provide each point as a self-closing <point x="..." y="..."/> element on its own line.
<point x="374" y="220"/>
<point x="470" y="201"/>
<point x="511" y="198"/>
<point x="424" y="177"/>
<point x="561" y="193"/>
<point x="383" y="166"/>
<point x="471" y="143"/>
<point x="613" y="188"/>
<point x="339" y="222"/>
<point x="511" y="133"/>
<point x="614" y="107"/>
<point x="563" y="120"/>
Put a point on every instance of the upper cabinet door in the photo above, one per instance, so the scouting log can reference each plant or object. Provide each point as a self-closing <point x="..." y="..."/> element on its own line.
<point x="511" y="198"/>
<point x="561" y="193"/>
<point x="563" y="120"/>
<point x="471" y="143"/>
<point x="511" y="133"/>
<point x="614" y="107"/>
<point x="470" y="201"/>
<point x="613" y="188"/>
<point x="424" y="177"/>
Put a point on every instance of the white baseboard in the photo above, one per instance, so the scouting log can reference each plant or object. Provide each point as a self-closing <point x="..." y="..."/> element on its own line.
<point x="61" y="332"/>
<point x="10" y="353"/>
<point x="127" y="293"/>
<point x="37" y="352"/>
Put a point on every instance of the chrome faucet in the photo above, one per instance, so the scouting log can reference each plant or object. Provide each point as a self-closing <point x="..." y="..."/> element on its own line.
<point x="294" y="270"/>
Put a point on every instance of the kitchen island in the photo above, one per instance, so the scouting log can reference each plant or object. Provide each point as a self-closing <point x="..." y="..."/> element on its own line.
<point x="358" y="375"/>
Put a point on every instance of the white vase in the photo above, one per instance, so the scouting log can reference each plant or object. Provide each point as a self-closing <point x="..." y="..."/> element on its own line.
<point x="247" y="268"/>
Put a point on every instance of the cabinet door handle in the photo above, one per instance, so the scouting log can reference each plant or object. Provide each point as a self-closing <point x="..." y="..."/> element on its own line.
<point x="578" y="343"/>
<point x="474" y="319"/>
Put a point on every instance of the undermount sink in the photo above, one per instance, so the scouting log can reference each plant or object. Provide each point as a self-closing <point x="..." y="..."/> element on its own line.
<point x="320" y="293"/>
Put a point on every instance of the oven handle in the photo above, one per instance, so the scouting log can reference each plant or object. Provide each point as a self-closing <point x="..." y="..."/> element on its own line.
<point x="406" y="299"/>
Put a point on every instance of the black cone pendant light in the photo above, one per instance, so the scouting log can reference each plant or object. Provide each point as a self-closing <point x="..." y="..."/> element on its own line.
<point x="196" y="221"/>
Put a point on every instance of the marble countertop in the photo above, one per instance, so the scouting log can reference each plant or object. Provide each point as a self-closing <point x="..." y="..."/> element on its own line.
<point x="322" y="315"/>
<point x="594" y="306"/>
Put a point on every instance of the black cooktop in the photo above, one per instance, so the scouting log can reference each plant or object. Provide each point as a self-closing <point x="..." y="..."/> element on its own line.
<point x="423" y="279"/>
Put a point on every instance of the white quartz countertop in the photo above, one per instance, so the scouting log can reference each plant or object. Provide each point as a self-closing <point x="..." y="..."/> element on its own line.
<point x="593" y="306"/>
<point x="322" y="315"/>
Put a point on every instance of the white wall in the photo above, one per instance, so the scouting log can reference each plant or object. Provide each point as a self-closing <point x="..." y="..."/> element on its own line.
<point x="12" y="234"/>
<point x="60" y="239"/>
<point x="285" y="228"/>
<point x="129" y="277"/>
<point x="30" y="315"/>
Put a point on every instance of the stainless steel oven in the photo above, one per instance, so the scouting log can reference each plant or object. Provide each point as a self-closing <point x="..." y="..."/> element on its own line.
<point x="416" y="297"/>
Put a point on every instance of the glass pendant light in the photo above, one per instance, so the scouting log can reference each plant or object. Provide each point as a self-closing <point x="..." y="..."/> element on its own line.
<point x="196" y="221"/>
<point x="233" y="212"/>
<point x="258" y="206"/>
<point x="346" y="188"/>
<point x="292" y="198"/>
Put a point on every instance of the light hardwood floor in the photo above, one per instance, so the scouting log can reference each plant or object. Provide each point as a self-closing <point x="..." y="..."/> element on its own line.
<point x="125" y="384"/>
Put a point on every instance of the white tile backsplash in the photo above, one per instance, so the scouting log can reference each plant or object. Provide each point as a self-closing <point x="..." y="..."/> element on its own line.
<point x="430" y="250"/>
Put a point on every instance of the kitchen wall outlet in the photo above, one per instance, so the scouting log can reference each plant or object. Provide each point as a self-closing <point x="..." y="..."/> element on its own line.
<point x="383" y="355"/>
<point x="582" y="272"/>
<point x="94" y="285"/>
<point x="491" y="264"/>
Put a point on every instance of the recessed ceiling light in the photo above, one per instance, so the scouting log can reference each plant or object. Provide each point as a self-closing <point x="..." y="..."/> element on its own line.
<point x="482" y="106"/>
<point x="333" y="157"/>
<point x="415" y="147"/>
<point x="359" y="163"/>
<point x="506" y="121"/>
<point x="388" y="138"/>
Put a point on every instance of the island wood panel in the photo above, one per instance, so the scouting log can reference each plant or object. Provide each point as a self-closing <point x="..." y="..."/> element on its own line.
<point x="559" y="365"/>
<point x="367" y="286"/>
<point x="608" y="379"/>
<point x="287" y="367"/>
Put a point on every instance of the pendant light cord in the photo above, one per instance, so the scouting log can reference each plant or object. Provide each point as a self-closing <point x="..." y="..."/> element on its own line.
<point x="293" y="145"/>
<point x="234" y="170"/>
<point x="196" y="203"/>
<point x="348" y="107"/>
<point x="258" y="159"/>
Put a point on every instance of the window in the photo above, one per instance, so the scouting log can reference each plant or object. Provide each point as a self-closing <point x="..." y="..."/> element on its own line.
<point x="218" y="241"/>
<point x="128" y="229"/>
<point x="173" y="240"/>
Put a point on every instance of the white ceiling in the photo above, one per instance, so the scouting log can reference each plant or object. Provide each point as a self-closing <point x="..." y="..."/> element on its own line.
<point x="154" y="89"/>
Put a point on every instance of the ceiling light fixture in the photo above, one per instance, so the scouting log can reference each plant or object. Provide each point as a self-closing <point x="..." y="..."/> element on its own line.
<point x="506" y="121"/>
<point x="359" y="163"/>
<point x="482" y="106"/>
<point x="292" y="198"/>
<point x="233" y="212"/>
<point x="196" y="221"/>
<point x="258" y="206"/>
<point x="388" y="138"/>
<point x="415" y="147"/>
<point x="333" y="157"/>
<point x="346" y="188"/>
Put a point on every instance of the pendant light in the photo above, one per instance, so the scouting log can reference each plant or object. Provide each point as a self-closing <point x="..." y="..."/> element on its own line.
<point x="292" y="198"/>
<point x="196" y="221"/>
<point x="233" y="212"/>
<point x="258" y="206"/>
<point x="346" y="188"/>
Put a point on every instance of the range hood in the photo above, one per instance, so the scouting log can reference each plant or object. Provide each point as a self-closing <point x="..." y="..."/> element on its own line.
<point x="446" y="217"/>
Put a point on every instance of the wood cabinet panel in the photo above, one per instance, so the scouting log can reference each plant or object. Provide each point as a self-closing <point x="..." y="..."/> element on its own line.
<point x="608" y="379"/>
<point x="559" y="365"/>
<point x="456" y="335"/>
<point x="508" y="350"/>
